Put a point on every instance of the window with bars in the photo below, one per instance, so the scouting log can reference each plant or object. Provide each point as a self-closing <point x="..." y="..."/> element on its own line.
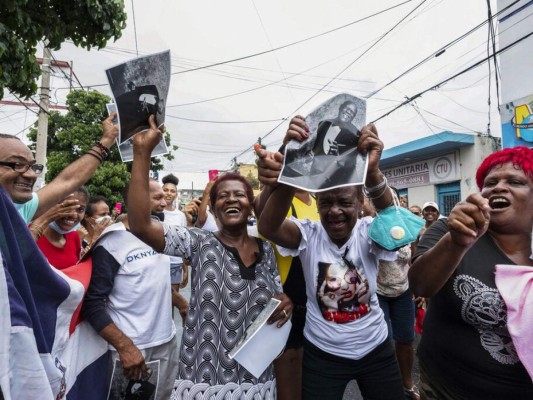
<point x="448" y="195"/>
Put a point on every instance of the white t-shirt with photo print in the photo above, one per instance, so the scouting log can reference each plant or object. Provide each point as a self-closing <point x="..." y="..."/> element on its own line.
<point x="349" y="323"/>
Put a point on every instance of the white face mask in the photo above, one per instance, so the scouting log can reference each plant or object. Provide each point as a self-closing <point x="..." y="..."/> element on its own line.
<point x="102" y="219"/>
<point x="62" y="231"/>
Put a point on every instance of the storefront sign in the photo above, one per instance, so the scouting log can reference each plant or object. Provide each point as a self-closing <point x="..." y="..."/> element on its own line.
<point x="435" y="170"/>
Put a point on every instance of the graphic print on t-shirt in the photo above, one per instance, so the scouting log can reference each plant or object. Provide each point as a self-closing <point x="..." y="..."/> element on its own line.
<point x="342" y="291"/>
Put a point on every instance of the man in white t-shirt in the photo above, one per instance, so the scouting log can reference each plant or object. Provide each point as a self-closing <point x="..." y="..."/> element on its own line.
<point x="179" y="271"/>
<point x="345" y="332"/>
<point x="128" y="301"/>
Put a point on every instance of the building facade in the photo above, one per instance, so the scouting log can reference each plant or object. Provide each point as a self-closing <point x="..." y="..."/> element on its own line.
<point x="440" y="168"/>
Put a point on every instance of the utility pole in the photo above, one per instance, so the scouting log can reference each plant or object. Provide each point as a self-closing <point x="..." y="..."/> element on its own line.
<point x="42" y="127"/>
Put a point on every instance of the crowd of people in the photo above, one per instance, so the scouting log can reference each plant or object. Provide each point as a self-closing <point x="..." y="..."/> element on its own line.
<point x="351" y="303"/>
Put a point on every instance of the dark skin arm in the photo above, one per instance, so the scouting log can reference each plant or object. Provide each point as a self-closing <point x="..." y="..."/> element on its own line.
<point x="77" y="173"/>
<point x="468" y="221"/>
<point x="140" y="222"/>
<point x="276" y="202"/>
<point x="131" y="357"/>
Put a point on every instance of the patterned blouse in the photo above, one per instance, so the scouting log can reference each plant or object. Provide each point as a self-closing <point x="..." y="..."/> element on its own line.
<point x="226" y="297"/>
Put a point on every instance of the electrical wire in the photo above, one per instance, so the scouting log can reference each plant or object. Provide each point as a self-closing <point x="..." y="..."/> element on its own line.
<point x="293" y="43"/>
<point x="134" y="28"/>
<point x="440" y="51"/>
<point x="340" y="73"/>
<point x="473" y="66"/>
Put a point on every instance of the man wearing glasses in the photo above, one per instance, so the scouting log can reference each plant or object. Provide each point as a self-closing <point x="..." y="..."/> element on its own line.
<point x="337" y="136"/>
<point x="18" y="172"/>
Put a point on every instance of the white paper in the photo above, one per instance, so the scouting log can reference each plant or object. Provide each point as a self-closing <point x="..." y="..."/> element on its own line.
<point x="261" y="342"/>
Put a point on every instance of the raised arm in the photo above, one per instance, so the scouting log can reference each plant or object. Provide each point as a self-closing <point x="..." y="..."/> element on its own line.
<point x="202" y="209"/>
<point x="79" y="172"/>
<point x="377" y="191"/>
<point x="277" y="201"/>
<point x="139" y="218"/>
<point x="298" y="130"/>
<point x="467" y="222"/>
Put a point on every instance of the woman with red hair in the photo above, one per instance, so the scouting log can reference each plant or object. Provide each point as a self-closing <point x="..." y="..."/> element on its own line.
<point x="466" y="351"/>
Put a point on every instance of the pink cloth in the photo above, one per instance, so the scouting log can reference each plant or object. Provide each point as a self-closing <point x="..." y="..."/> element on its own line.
<point x="515" y="284"/>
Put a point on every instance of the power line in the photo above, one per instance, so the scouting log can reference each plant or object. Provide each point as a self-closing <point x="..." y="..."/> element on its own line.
<point x="134" y="28"/>
<point x="440" y="51"/>
<point x="341" y="72"/>
<point x="473" y="66"/>
<point x="293" y="43"/>
<point x="226" y="122"/>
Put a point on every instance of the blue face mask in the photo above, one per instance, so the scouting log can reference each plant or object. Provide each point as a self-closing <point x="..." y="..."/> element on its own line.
<point x="56" y="228"/>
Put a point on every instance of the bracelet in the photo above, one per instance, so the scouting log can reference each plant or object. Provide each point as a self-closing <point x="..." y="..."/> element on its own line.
<point x="37" y="229"/>
<point x="374" y="197"/>
<point x="369" y="190"/>
<point x="105" y="150"/>
<point x="95" y="155"/>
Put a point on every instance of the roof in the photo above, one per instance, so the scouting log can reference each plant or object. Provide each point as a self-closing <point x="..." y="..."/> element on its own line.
<point x="426" y="147"/>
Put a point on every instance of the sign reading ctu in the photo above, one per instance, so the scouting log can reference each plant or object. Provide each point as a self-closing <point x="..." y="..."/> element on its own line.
<point x="435" y="170"/>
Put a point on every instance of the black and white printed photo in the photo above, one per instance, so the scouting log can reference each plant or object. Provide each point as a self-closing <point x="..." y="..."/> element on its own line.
<point x="329" y="158"/>
<point x="140" y="88"/>
<point x="123" y="388"/>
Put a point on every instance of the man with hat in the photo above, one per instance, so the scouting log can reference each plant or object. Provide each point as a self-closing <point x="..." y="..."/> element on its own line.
<point x="430" y="212"/>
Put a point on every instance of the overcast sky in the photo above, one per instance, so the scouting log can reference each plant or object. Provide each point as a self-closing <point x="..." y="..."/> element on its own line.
<point x="235" y="103"/>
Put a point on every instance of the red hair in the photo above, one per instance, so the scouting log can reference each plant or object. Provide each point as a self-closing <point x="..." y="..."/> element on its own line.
<point x="521" y="157"/>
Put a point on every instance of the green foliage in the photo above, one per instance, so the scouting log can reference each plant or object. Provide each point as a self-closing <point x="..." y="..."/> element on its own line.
<point x="88" y="23"/>
<point x="254" y="181"/>
<point x="73" y="134"/>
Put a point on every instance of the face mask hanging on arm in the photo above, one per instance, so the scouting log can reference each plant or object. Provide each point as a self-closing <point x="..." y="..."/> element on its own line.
<point x="395" y="226"/>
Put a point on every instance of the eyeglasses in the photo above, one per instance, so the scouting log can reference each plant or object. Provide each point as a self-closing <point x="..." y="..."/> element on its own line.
<point x="23" y="167"/>
<point x="416" y="213"/>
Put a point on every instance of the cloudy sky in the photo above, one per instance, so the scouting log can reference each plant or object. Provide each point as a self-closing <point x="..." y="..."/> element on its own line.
<point x="289" y="57"/>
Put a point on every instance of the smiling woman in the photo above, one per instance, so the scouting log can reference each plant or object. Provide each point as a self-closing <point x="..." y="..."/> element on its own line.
<point x="466" y="349"/>
<point x="233" y="276"/>
<point x="59" y="240"/>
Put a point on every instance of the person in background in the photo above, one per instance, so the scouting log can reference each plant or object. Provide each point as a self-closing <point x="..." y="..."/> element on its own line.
<point x="198" y="212"/>
<point x="347" y="338"/>
<point x="233" y="277"/>
<point x="96" y="219"/>
<point x="179" y="270"/>
<point x="19" y="172"/>
<point x="128" y="299"/>
<point x="416" y="210"/>
<point x="431" y="213"/>
<point x="396" y="301"/>
<point x="60" y="242"/>
<point x="467" y="350"/>
<point x="172" y="212"/>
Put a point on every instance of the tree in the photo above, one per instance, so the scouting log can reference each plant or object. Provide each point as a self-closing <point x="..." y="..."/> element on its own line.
<point x="254" y="181"/>
<point x="73" y="134"/>
<point x="88" y="23"/>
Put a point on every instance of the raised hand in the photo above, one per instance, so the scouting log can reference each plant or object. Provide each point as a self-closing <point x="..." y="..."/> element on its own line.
<point x="145" y="142"/>
<point x="469" y="220"/>
<point x="298" y="130"/>
<point x="269" y="166"/>
<point x="370" y="144"/>
<point x="110" y="131"/>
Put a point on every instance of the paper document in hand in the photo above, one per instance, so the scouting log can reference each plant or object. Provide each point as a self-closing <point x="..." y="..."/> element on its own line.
<point x="140" y="88"/>
<point x="123" y="388"/>
<point x="329" y="157"/>
<point x="261" y="343"/>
